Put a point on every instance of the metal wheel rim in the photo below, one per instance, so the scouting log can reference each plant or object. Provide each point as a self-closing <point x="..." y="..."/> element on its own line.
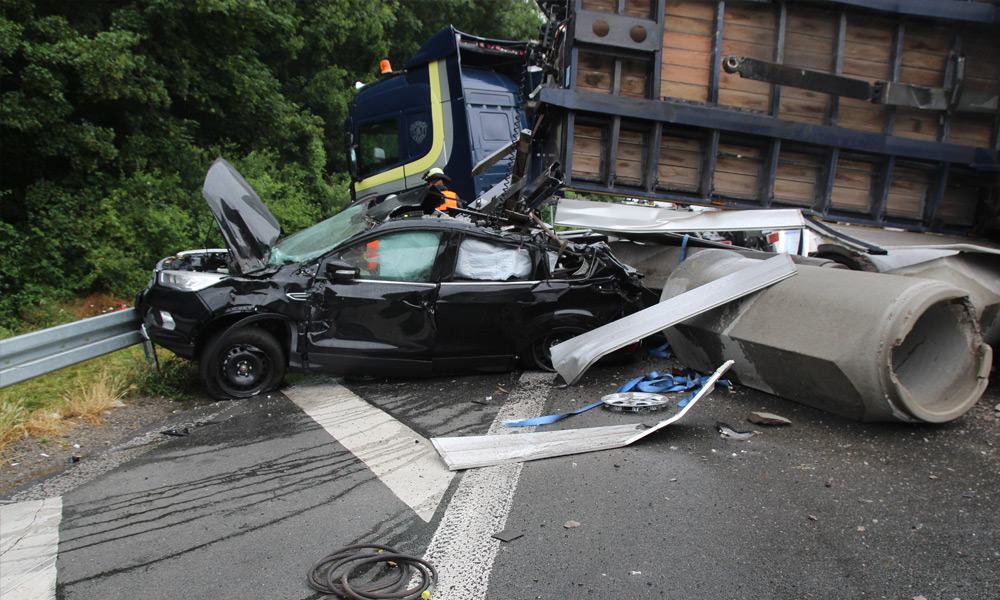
<point x="244" y="367"/>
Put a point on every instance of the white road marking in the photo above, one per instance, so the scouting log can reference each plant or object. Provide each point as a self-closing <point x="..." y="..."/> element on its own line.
<point x="405" y="461"/>
<point x="29" y="543"/>
<point x="462" y="550"/>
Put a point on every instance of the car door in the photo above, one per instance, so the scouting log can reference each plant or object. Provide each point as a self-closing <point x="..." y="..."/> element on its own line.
<point x="382" y="321"/>
<point x="482" y="304"/>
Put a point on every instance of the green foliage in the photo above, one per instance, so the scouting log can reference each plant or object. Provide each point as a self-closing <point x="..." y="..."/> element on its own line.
<point x="111" y="112"/>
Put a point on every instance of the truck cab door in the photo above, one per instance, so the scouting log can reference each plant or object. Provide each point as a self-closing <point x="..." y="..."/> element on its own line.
<point x="381" y="320"/>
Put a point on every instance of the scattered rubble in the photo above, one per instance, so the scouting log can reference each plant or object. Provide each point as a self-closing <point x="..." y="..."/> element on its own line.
<point x="728" y="432"/>
<point x="766" y="418"/>
<point x="507" y="535"/>
<point x="571" y="524"/>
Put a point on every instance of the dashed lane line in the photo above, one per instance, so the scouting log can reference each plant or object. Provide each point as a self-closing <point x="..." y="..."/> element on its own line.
<point x="462" y="549"/>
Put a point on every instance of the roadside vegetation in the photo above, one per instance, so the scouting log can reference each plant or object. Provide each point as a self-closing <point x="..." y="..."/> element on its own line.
<point x="110" y="114"/>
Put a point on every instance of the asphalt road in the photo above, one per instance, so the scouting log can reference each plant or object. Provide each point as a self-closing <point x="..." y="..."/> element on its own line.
<point x="258" y="490"/>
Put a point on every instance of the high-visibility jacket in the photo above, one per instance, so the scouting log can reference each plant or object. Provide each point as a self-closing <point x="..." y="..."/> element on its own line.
<point x="450" y="200"/>
<point x="371" y="256"/>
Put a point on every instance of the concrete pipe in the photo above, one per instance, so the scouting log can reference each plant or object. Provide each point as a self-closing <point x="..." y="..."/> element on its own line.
<point x="867" y="346"/>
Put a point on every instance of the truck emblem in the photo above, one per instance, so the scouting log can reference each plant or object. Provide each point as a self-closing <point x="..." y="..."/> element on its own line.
<point x="418" y="131"/>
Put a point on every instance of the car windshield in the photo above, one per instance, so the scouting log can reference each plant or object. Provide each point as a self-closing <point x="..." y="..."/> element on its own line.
<point x="313" y="241"/>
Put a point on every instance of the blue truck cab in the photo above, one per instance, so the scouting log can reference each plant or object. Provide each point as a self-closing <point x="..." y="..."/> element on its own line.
<point x="454" y="103"/>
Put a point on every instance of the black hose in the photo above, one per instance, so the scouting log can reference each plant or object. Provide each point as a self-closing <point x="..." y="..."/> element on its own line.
<point x="332" y="574"/>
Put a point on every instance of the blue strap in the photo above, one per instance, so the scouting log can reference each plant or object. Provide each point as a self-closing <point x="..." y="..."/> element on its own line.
<point x="662" y="351"/>
<point x="547" y="419"/>
<point x="684" y="248"/>
<point x="630" y="385"/>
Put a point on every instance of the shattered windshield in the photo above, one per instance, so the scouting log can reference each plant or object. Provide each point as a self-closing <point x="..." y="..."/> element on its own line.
<point x="314" y="241"/>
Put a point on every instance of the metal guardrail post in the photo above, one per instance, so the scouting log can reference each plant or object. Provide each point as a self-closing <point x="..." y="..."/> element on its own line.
<point x="41" y="352"/>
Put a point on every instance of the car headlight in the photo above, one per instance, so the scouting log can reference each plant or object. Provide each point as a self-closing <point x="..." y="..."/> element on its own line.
<point x="189" y="281"/>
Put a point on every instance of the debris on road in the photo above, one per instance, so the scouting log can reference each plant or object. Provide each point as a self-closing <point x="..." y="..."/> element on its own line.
<point x="571" y="524"/>
<point x="635" y="402"/>
<point x="572" y="358"/>
<point x="866" y="346"/>
<point x="402" y="576"/>
<point x="728" y="432"/>
<point x="467" y="452"/>
<point x="766" y="418"/>
<point x="507" y="535"/>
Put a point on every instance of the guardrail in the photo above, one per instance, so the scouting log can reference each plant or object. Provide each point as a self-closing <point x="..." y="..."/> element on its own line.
<point x="41" y="352"/>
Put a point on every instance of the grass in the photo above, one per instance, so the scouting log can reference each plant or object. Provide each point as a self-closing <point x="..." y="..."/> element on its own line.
<point x="51" y="405"/>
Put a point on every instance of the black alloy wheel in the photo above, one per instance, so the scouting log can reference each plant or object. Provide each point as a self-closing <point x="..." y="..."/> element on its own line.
<point x="243" y="363"/>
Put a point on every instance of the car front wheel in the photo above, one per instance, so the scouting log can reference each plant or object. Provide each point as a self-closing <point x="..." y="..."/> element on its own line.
<point x="242" y="363"/>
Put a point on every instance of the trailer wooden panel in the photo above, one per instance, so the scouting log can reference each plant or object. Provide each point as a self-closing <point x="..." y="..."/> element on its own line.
<point x="695" y="133"/>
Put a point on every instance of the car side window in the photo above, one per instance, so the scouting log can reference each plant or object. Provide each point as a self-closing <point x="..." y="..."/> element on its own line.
<point x="480" y="260"/>
<point x="378" y="146"/>
<point x="401" y="256"/>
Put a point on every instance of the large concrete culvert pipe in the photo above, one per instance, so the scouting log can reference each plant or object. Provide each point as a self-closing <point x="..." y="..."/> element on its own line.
<point x="868" y="346"/>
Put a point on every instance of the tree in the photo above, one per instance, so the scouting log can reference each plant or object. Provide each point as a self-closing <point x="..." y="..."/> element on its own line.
<point x="111" y="111"/>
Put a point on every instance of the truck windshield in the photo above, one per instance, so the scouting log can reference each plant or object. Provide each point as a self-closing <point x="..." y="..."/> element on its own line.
<point x="313" y="241"/>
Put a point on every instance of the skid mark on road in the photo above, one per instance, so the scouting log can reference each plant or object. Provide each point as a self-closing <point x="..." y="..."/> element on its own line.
<point x="462" y="549"/>
<point x="402" y="459"/>
<point x="29" y="542"/>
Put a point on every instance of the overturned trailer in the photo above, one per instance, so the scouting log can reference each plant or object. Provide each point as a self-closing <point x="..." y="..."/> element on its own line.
<point x="881" y="112"/>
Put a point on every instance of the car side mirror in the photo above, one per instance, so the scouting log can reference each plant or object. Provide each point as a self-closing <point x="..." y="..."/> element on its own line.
<point x="338" y="272"/>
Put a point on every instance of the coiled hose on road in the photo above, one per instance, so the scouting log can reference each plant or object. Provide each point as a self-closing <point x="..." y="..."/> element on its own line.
<point x="333" y="574"/>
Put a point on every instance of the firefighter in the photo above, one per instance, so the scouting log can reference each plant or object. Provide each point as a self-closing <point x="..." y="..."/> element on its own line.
<point x="439" y="197"/>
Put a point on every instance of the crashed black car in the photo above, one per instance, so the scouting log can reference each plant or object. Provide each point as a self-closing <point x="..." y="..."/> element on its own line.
<point x="361" y="293"/>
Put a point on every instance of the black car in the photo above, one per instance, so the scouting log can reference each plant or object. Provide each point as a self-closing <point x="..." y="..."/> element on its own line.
<point x="354" y="294"/>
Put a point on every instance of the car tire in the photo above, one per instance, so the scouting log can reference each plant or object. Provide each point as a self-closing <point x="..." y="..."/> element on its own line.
<point x="242" y="363"/>
<point x="537" y="355"/>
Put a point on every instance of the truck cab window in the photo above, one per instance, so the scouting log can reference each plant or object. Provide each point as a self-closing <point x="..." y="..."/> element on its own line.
<point x="378" y="146"/>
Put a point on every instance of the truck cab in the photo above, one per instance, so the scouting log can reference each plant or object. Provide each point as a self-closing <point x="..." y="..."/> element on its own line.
<point x="454" y="103"/>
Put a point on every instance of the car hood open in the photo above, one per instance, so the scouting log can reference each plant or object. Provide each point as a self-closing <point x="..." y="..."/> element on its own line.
<point x="247" y="226"/>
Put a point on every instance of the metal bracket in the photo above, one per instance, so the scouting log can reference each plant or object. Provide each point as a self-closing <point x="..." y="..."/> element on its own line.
<point x="892" y="93"/>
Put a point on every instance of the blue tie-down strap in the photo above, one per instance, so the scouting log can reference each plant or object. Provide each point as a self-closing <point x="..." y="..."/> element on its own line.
<point x="547" y="419"/>
<point x="661" y="351"/>
<point x="661" y="383"/>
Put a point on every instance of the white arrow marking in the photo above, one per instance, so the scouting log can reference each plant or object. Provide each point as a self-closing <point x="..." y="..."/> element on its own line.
<point x="405" y="461"/>
<point x="29" y="543"/>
